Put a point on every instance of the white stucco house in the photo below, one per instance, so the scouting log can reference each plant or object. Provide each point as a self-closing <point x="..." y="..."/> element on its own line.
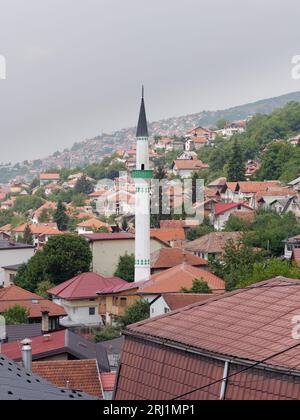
<point x="11" y="254"/>
<point x="79" y="298"/>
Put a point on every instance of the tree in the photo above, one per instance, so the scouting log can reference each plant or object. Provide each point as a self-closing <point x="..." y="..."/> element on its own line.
<point x="204" y="229"/>
<point x="221" y="123"/>
<point x="43" y="287"/>
<point x="60" y="217"/>
<point x="46" y="215"/>
<point x="16" y="315"/>
<point x="237" y="263"/>
<point x="199" y="286"/>
<point x="84" y="186"/>
<point x="107" y="333"/>
<point x="125" y="269"/>
<point x="63" y="257"/>
<point x="271" y="229"/>
<point x="270" y="269"/>
<point x="236" y="167"/>
<point x="135" y="313"/>
<point x="27" y="237"/>
<point x="25" y="203"/>
<point x="236" y="224"/>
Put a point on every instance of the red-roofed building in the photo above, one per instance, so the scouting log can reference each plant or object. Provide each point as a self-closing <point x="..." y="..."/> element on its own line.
<point x="236" y="346"/>
<point x="79" y="297"/>
<point x="107" y="248"/>
<point x="166" y="258"/>
<point x="222" y="211"/>
<point x="78" y="375"/>
<point x="60" y="345"/>
<point x="108" y="380"/>
<point x="13" y="295"/>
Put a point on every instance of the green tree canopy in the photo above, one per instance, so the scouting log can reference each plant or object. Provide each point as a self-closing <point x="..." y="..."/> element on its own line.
<point x="84" y="186"/>
<point x="16" y="315"/>
<point x="236" y="165"/>
<point x="63" y="257"/>
<point x="135" y="313"/>
<point x="60" y="217"/>
<point x="125" y="269"/>
<point x="199" y="286"/>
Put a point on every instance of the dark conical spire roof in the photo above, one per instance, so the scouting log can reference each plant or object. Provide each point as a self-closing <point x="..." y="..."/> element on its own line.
<point x="142" y="128"/>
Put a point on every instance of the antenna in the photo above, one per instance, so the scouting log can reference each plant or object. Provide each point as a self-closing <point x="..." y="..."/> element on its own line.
<point x="143" y="91"/>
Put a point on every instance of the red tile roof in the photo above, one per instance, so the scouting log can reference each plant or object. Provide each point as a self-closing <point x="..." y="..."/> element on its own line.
<point x="213" y="243"/>
<point x="182" y="164"/>
<point x="14" y="295"/>
<point x="168" y="235"/>
<point x="255" y="187"/>
<point x="78" y="375"/>
<point x="250" y="324"/>
<point x="180" y="300"/>
<point x="181" y="276"/>
<point x="108" y="380"/>
<point x="46" y="176"/>
<point x="296" y="255"/>
<point x="86" y="286"/>
<point x="108" y="236"/>
<point x="221" y="208"/>
<point x="170" y="257"/>
<point x="40" y="345"/>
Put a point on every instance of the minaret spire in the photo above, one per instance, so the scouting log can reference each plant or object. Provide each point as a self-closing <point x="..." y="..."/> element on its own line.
<point x="142" y="128"/>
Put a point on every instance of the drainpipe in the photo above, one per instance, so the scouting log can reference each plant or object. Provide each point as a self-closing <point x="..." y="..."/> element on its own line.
<point x="224" y="381"/>
<point x="27" y="354"/>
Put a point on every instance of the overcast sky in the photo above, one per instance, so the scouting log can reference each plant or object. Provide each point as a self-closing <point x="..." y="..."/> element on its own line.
<point x="75" y="67"/>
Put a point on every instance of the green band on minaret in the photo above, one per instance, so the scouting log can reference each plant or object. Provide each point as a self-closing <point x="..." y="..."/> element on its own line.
<point x="146" y="174"/>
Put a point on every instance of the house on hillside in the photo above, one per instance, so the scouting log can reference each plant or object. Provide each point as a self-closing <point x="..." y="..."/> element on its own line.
<point x="12" y="253"/>
<point x="91" y="225"/>
<point x="166" y="258"/>
<point x="212" y="245"/>
<point x="290" y="245"/>
<point x="295" y="185"/>
<point x="107" y="248"/>
<point x="40" y="309"/>
<point x="222" y="212"/>
<point x="49" y="178"/>
<point x="79" y="297"/>
<point x="169" y="302"/>
<point x="186" y="168"/>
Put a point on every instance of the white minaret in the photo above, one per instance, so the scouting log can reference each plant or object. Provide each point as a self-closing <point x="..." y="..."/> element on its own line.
<point x="142" y="176"/>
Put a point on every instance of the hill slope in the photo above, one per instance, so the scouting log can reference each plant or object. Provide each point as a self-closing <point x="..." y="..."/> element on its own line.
<point x="92" y="150"/>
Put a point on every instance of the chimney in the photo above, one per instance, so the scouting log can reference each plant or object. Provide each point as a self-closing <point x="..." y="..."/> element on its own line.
<point x="45" y="321"/>
<point x="27" y="354"/>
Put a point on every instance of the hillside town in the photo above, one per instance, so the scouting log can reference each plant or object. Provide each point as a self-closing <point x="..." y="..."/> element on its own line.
<point x="104" y="298"/>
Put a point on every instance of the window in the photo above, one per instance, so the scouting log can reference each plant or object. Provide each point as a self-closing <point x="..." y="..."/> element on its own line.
<point x="167" y="310"/>
<point x="123" y="301"/>
<point x="92" y="311"/>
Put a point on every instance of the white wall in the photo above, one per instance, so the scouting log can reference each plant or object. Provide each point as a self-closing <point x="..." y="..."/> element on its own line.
<point x="13" y="257"/>
<point x="78" y="312"/>
<point x="159" y="307"/>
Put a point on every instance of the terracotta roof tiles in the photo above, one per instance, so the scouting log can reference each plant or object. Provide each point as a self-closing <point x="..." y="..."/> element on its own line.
<point x="14" y="295"/>
<point x="86" y="286"/>
<point x="78" y="375"/>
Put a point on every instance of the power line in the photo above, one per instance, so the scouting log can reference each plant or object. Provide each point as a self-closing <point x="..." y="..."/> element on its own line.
<point x="237" y="373"/>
